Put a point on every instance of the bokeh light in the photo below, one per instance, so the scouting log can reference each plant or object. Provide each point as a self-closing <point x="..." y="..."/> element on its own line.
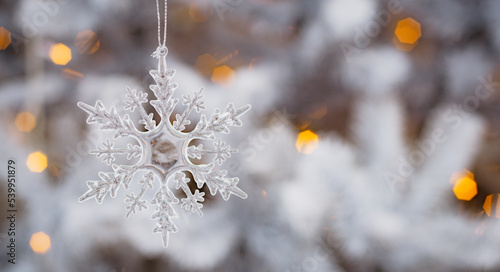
<point x="87" y="42"/>
<point x="408" y="31"/>
<point x="40" y="242"/>
<point x="205" y="64"/>
<point x="223" y="75"/>
<point x="60" y="54"/>
<point x="307" y="142"/>
<point x="465" y="187"/>
<point x="5" y="38"/>
<point x="25" y="122"/>
<point x="36" y="162"/>
<point x="492" y="205"/>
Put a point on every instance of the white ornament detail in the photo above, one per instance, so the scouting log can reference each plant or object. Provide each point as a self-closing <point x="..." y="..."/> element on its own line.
<point x="164" y="150"/>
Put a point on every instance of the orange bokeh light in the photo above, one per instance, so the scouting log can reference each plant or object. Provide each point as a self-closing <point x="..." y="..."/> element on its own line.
<point x="25" y="121"/>
<point x="40" y="242"/>
<point x="205" y="64"/>
<point x="465" y="187"/>
<point x="223" y="75"/>
<point x="36" y="162"/>
<point x="408" y="31"/>
<point x="87" y="42"/>
<point x="5" y="38"/>
<point x="492" y="201"/>
<point x="307" y="142"/>
<point x="60" y="54"/>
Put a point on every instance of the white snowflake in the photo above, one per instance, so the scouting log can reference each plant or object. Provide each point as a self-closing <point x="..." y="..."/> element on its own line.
<point x="164" y="150"/>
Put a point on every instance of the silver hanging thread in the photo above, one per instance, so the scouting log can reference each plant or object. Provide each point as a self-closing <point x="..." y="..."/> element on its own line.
<point x="159" y="24"/>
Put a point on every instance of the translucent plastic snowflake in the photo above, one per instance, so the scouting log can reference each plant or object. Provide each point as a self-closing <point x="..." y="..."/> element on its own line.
<point x="164" y="152"/>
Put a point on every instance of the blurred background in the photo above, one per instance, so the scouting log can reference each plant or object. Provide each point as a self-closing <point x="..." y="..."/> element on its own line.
<point x="373" y="143"/>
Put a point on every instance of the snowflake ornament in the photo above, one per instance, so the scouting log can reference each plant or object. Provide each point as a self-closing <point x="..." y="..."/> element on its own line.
<point x="163" y="150"/>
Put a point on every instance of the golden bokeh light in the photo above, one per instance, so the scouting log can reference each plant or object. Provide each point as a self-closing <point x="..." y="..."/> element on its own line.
<point x="307" y="142"/>
<point x="40" y="242"/>
<point x="60" y="54"/>
<point x="36" y="162"/>
<point x="465" y="187"/>
<point x="25" y="122"/>
<point x="5" y="38"/>
<point x="223" y="75"/>
<point x="87" y="42"/>
<point x="205" y="64"/>
<point x="492" y="205"/>
<point x="408" y="31"/>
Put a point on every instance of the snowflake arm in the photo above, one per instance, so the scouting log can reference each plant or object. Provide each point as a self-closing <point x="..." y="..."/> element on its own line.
<point x="135" y="99"/>
<point x="219" y="122"/>
<point x="107" y="151"/>
<point x="126" y="173"/>
<point x="109" y="120"/>
<point x="164" y="213"/>
<point x="136" y="202"/>
<point x="192" y="102"/>
<point x="98" y="189"/>
<point x="221" y="151"/>
<point x="216" y="180"/>
<point x="192" y="201"/>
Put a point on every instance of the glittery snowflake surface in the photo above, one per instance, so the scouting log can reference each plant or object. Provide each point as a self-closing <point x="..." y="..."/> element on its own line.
<point x="163" y="151"/>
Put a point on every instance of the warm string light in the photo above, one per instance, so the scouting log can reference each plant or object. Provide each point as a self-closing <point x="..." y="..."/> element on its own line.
<point x="36" y="162"/>
<point x="407" y="33"/>
<point x="25" y="122"/>
<point x="223" y="75"/>
<point x="5" y="38"/>
<point x="87" y="42"/>
<point x="40" y="243"/>
<point x="60" y="54"/>
<point x="492" y="205"/>
<point x="209" y="66"/>
<point x="465" y="187"/>
<point x="307" y="142"/>
<point x="205" y="64"/>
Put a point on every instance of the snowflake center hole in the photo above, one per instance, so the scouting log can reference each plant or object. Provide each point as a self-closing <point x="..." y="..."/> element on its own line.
<point x="165" y="153"/>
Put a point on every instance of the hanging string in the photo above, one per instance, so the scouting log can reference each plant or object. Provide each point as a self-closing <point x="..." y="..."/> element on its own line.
<point x="159" y="23"/>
